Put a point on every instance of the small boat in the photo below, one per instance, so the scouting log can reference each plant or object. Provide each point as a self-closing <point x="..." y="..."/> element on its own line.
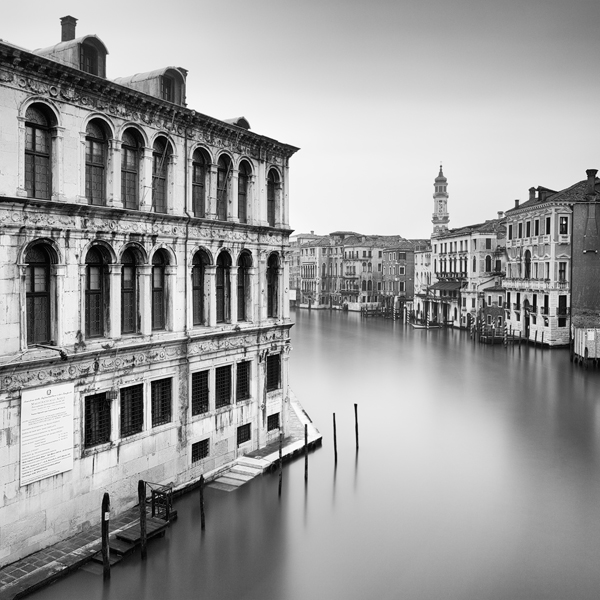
<point x="420" y="325"/>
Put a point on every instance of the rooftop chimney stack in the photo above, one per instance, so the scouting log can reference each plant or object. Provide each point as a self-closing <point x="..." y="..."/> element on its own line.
<point x="517" y="203"/>
<point x="591" y="181"/>
<point x="500" y="214"/>
<point x="532" y="193"/>
<point x="68" y="24"/>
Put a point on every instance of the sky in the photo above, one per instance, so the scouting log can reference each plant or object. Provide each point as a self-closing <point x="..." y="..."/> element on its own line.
<point x="376" y="94"/>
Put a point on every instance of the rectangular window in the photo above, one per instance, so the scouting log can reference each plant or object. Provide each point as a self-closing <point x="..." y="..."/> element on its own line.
<point x="199" y="450"/>
<point x="168" y="88"/>
<point x="222" y="386"/>
<point x="488" y="243"/>
<point x="273" y="422"/>
<point x="132" y="410"/>
<point x="536" y="227"/>
<point x="489" y="319"/>
<point x="528" y="229"/>
<point x="161" y="402"/>
<point x="520" y="230"/>
<point x="548" y="226"/>
<point x="563" y="225"/>
<point x="510" y="232"/>
<point x="472" y="302"/>
<point x="242" y="389"/>
<point x="273" y="372"/>
<point x="243" y="434"/>
<point x="499" y="322"/>
<point x="562" y="271"/>
<point x="500" y="301"/>
<point x="401" y="270"/>
<point x="199" y="392"/>
<point x="97" y="420"/>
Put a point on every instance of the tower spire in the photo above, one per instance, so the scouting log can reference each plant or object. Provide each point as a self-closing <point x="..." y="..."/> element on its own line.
<point x="440" y="217"/>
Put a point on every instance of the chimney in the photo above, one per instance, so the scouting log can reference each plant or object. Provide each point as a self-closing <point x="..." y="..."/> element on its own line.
<point x="68" y="24"/>
<point x="591" y="181"/>
<point x="532" y="193"/>
<point x="500" y="214"/>
<point x="517" y="203"/>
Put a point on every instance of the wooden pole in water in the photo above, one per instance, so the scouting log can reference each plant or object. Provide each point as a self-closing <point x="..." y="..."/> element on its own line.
<point x="305" y="452"/>
<point x="535" y="340"/>
<point x="334" y="439"/>
<point x="356" y="423"/>
<point x="280" y="461"/>
<point x="142" y="501"/>
<point x="105" y="546"/>
<point x="202" y="518"/>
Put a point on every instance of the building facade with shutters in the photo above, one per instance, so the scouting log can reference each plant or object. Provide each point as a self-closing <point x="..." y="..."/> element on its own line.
<point x="143" y="288"/>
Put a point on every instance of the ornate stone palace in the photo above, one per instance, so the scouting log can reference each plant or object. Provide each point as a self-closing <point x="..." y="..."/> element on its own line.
<point x="144" y="312"/>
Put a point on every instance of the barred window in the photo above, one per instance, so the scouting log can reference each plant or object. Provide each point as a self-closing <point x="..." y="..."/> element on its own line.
<point x="199" y="450"/>
<point x="222" y="386"/>
<point x="158" y="291"/>
<point x="243" y="380"/>
<point x="243" y="434"/>
<point x="161" y="402"/>
<point x="97" y="420"/>
<point x="132" y="410"/>
<point x="273" y="372"/>
<point x="199" y="392"/>
<point x="273" y="422"/>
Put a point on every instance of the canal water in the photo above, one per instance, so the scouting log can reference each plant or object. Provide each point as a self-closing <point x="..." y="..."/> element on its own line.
<point x="478" y="477"/>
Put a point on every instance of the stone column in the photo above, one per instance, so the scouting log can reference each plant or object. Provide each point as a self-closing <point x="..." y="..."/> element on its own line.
<point x="57" y="165"/>
<point x="58" y="300"/>
<point x="233" y="276"/>
<point x="285" y="199"/>
<point x="261" y="281"/>
<point x="145" y="298"/>
<point x="114" y="274"/>
<point x="232" y="208"/>
<point x="285" y="291"/>
<point x="211" y="193"/>
<point x="82" y="275"/>
<point x="146" y="179"/>
<point x="113" y="168"/>
<point x="22" y="300"/>
<point x="211" y="291"/>
<point x="260" y="197"/>
<point x="285" y="392"/>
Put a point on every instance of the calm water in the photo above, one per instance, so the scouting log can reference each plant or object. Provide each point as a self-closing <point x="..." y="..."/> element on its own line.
<point x="478" y="477"/>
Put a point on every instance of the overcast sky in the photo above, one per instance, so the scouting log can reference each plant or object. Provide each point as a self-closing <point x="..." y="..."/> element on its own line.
<point x="375" y="93"/>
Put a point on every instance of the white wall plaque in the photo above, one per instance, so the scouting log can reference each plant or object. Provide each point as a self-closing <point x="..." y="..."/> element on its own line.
<point x="46" y="431"/>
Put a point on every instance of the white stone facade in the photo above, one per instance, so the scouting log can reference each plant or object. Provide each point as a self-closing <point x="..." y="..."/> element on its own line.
<point x="131" y="304"/>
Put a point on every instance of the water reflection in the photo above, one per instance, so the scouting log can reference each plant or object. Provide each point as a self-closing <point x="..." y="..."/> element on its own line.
<point x="478" y="478"/>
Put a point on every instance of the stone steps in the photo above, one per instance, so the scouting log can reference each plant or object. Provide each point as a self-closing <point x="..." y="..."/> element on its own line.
<point x="241" y="471"/>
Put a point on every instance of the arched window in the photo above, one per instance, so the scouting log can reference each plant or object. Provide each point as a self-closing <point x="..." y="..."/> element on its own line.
<point x="199" y="263"/>
<point x="129" y="318"/>
<point x="130" y="169"/>
<point x="96" y="293"/>
<point x="223" y="172"/>
<point x="273" y="286"/>
<point x="199" y="184"/>
<point x="363" y="286"/>
<point x="369" y="285"/>
<point x="243" y="286"/>
<point x="223" y="284"/>
<point x="38" y="145"/>
<point x="159" y="308"/>
<point x="488" y="264"/>
<point x="161" y="155"/>
<point x="37" y="293"/>
<point x="243" y="179"/>
<point x="272" y="181"/>
<point x="95" y="163"/>
<point x="527" y="264"/>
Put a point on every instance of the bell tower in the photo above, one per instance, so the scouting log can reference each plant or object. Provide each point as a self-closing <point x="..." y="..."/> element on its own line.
<point x="440" y="217"/>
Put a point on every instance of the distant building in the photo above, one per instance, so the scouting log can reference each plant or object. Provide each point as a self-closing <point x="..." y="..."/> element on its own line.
<point x="143" y="288"/>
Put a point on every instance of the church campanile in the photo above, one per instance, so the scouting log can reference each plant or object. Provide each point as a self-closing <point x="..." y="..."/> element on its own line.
<point x="440" y="204"/>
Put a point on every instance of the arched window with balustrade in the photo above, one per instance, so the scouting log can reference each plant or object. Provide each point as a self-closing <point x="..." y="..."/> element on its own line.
<point x="131" y="154"/>
<point x="38" y="151"/>
<point x="96" y="158"/>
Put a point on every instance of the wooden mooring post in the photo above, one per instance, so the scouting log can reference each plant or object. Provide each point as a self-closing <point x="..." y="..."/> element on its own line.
<point x="305" y="452"/>
<point x="105" y="546"/>
<point x="356" y="424"/>
<point x="142" y="502"/>
<point x="280" y="461"/>
<point x="202" y="518"/>
<point x="334" y="439"/>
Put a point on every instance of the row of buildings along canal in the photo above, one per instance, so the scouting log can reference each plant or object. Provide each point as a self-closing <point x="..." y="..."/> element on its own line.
<point x="534" y="270"/>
